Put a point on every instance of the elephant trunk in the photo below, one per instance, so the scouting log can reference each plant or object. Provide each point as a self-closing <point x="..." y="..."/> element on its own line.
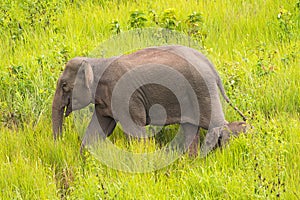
<point x="57" y="120"/>
<point x="57" y="116"/>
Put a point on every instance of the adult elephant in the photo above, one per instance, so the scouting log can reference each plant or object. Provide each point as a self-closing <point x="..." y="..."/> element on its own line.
<point x="157" y="85"/>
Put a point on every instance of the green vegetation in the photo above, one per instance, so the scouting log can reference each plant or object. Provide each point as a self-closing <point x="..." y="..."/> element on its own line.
<point x="253" y="44"/>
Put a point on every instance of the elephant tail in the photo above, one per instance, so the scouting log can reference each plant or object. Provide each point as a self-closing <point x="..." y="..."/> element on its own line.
<point x="222" y="90"/>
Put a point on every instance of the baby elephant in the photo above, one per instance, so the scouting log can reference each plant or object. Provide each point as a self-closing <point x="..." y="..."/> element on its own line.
<point x="220" y="136"/>
<point x="157" y="85"/>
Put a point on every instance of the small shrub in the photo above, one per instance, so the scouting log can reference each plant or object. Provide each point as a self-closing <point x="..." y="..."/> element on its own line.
<point x="137" y="19"/>
<point x="115" y="27"/>
<point x="196" y="30"/>
<point x="169" y="19"/>
<point x="286" y="25"/>
<point x="153" y="16"/>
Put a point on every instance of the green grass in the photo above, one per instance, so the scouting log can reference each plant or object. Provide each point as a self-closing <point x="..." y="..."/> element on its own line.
<point x="256" y="53"/>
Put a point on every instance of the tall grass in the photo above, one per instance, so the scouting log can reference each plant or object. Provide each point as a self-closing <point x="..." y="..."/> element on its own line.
<point x="253" y="44"/>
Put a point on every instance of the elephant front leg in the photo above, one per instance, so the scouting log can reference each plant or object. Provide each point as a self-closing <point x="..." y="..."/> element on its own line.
<point x="99" y="128"/>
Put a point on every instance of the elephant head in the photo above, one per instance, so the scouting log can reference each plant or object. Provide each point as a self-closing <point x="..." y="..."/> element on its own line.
<point x="73" y="91"/>
<point x="219" y="136"/>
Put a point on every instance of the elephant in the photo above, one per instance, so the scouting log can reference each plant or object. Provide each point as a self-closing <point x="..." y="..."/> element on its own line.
<point x="159" y="85"/>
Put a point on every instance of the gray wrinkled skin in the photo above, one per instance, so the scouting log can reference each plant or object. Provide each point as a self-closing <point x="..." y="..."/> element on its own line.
<point x="220" y="136"/>
<point x="155" y="74"/>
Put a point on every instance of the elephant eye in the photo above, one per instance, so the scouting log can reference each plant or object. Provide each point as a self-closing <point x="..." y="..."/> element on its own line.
<point x="64" y="86"/>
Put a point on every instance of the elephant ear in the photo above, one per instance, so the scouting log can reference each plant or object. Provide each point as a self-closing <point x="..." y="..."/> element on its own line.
<point x="87" y="73"/>
<point x="211" y="140"/>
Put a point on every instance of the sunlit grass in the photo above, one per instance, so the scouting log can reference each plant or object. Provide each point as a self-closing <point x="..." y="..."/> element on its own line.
<point x="259" y="66"/>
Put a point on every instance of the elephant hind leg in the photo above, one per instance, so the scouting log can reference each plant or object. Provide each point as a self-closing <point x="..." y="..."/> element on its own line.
<point x="191" y="138"/>
<point x="187" y="139"/>
<point x="193" y="148"/>
<point x="134" y="122"/>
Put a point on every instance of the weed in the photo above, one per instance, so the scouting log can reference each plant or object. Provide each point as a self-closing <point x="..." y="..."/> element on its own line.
<point x="196" y="29"/>
<point x="115" y="27"/>
<point x="264" y="65"/>
<point x="169" y="19"/>
<point x="137" y="19"/>
<point x="286" y="25"/>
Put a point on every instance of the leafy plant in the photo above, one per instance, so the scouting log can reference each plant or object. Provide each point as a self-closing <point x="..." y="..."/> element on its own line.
<point x="196" y="29"/>
<point x="153" y="16"/>
<point x="195" y="21"/>
<point x="286" y="25"/>
<point x="115" y="27"/>
<point x="137" y="19"/>
<point x="265" y="65"/>
<point x="9" y="23"/>
<point x="169" y="19"/>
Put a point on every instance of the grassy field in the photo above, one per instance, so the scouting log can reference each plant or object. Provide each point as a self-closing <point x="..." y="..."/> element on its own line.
<point x="255" y="46"/>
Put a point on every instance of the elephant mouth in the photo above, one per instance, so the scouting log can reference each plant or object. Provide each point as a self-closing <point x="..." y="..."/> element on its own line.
<point x="68" y="108"/>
